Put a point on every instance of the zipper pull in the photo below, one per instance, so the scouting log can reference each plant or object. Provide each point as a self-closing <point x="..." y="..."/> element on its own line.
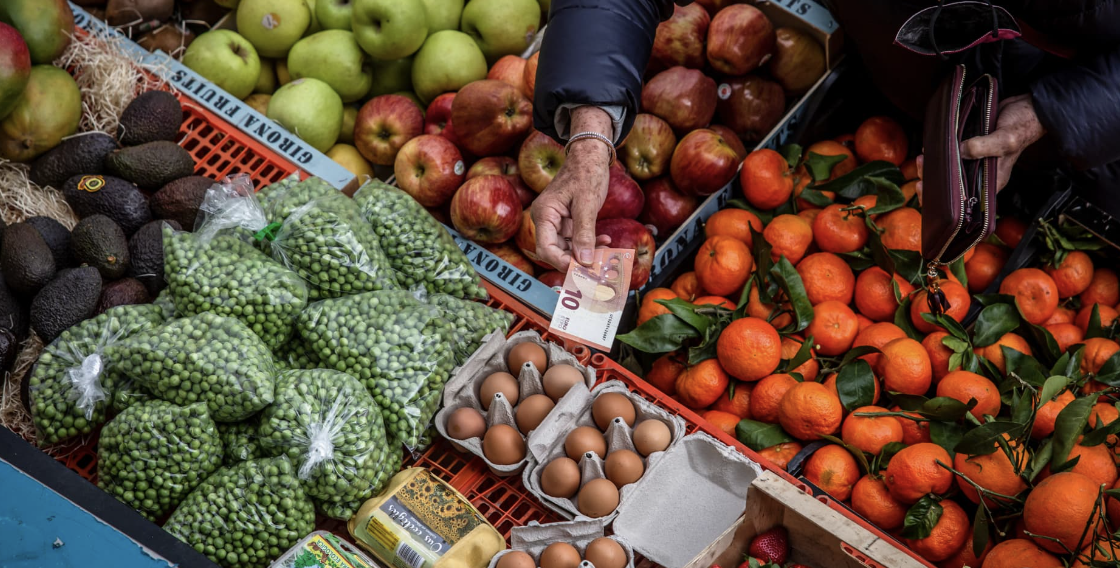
<point x="935" y="297"/>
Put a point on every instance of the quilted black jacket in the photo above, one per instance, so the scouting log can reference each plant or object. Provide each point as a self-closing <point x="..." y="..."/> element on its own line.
<point x="596" y="51"/>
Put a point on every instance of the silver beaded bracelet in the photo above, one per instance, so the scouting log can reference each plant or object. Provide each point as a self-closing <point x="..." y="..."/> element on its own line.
<point x="596" y="136"/>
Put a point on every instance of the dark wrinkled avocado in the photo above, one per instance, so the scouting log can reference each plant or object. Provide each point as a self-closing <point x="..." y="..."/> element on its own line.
<point x="99" y="242"/>
<point x="83" y="154"/>
<point x="13" y="312"/>
<point x="180" y="199"/>
<point x="57" y="237"/>
<point x="9" y="347"/>
<point x="113" y="197"/>
<point x="123" y="292"/>
<point x="68" y="300"/>
<point x="150" y="166"/>
<point x="145" y="250"/>
<point x="150" y="117"/>
<point x="25" y="259"/>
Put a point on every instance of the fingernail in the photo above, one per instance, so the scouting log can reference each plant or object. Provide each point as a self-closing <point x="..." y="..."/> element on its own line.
<point x="585" y="256"/>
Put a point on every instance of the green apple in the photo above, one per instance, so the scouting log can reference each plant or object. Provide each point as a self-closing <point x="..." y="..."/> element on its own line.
<point x="315" y="26"/>
<point x="501" y="27"/>
<point x="282" y="75"/>
<point x="443" y="14"/>
<point x="349" y="119"/>
<point x="391" y="76"/>
<point x="273" y="26"/>
<point x="389" y="29"/>
<point x="334" y="57"/>
<point x="310" y="109"/>
<point x="225" y="59"/>
<point x="334" y="14"/>
<point x="447" y="61"/>
<point x="267" y="83"/>
<point x="348" y="157"/>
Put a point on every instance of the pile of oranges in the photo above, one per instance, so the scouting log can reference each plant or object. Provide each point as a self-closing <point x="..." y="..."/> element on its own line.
<point x="927" y="387"/>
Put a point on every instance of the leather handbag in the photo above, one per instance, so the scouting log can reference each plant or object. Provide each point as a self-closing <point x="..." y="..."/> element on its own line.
<point x="959" y="195"/>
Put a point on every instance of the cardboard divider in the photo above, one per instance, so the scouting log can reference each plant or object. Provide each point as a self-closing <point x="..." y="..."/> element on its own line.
<point x="534" y="538"/>
<point x="550" y="445"/>
<point x="463" y="391"/>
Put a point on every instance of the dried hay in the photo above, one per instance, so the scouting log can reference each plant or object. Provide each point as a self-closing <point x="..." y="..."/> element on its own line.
<point x="13" y="415"/>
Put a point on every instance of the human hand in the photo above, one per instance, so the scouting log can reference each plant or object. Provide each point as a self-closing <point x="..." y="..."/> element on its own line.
<point x="1017" y="128"/>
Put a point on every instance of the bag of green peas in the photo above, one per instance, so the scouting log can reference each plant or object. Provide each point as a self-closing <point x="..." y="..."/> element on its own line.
<point x="471" y="322"/>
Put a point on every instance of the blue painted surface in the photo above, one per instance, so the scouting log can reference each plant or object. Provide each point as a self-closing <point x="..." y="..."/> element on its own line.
<point x="32" y="517"/>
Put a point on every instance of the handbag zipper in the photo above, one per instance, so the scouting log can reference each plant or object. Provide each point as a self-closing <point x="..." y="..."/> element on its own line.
<point x="932" y="267"/>
<point x="984" y="187"/>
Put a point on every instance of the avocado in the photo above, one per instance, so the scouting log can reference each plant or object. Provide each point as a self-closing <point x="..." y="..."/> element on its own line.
<point x="145" y="250"/>
<point x="123" y="292"/>
<point x="3" y="226"/>
<point x="25" y="259"/>
<point x="99" y="242"/>
<point x="9" y="347"/>
<point x="106" y="195"/>
<point x="180" y="199"/>
<point x="68" y="300"/>
<point x="153" y="116"/>
<point x="152" y="165"/>
<point x="13" y="312"/>
<point x="57" y="238"/>
<point x="83" y="154"/>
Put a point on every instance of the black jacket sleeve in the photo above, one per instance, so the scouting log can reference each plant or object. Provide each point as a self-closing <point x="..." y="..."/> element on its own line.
<point x="1079" y="105"/>
<point x="595" y="52"/>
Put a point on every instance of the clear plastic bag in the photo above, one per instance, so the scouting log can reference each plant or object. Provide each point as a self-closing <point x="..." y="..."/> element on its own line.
<point x="280" y="199"/>
<point x="417" y="246"/>
<point x="72" y="384"/>
<point x="241" y="440"/>
<point x="296" y="354"/>
<point x="218" y="268"/>
<point x="470" y="322"/>
<point x="246" y="515"/>
<point x="154" y="453"/>
<point x="329" y="426"/>
<point x="207" y="358"/>
<point x="343" y="510"/>
<point x="398" y="347"/>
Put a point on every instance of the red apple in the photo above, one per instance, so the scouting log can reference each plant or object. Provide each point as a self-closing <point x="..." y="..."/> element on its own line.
<point x="703" y="163"/>
<point x="666" y="207"/>
<point x="438" y="115"/>
<point x="15" y="68"/>
<point x="383" y="126"/>
<point x="552" y="278"/>
<point x="740" y="39"/>
<point x="798" y="60"/>
<point x="526" y="240"/>
<point x="752" y="107"/>
<point x="648" y="147"/>
<point x="685" y="98"/>
<point x="630" y="234"/>
<point x="714" y="6"/>
<point x="490" y="117"/>
<point x="624" y="198"/>
<point x="510" y="69"/>
<point x="486" y="210"/>
<point x="530" y="76"/>
<point x="731" y="138"/>
<point x="506" y="167"/>
<point x="680" y="39"/>
<point x="511" y="254"/>
<point x="539" y="160"/>
<point x="430" y="169"/>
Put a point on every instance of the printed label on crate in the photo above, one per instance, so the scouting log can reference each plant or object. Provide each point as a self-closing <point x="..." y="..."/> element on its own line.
<point x="591" y="302"/>
<point x="516" y="283"/>
<point x="240" y="115"/>
<point x="812" y="13"/>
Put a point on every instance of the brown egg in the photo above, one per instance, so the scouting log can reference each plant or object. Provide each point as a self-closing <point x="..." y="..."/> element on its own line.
<point x="611" y="405"/>
<point x="466" y="423"/>
<point x="582" y="440"/>
<point x="560" y="478"/>
<point x="604" y="552"/>
<point x="624" y="467"/>
<point x="560" y="379"/>
<point x="531" y="412"/>
<point x="560" y="555"/>
<point x="516" y="559"/>
<point x="502" y="382"/>
<point x="598" y="498"/>
<point x="527" y="353"/>
<point x="651" y="436"/>
<point x="503" y="445"/>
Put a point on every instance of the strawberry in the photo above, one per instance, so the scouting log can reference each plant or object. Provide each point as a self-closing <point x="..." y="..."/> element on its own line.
<point x="771" y="546"/>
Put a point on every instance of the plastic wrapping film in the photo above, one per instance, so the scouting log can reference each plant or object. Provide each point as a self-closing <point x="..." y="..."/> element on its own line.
<point x="472" y="322"/>
<point x="241" y="440"/>
<point x="207" y="358"/>
<point x="74" y="381"/>
<point x="246" y="515"/>
<point x="417" y="246"/>
<point x="398" y="347"/>
<point x="154" y="453"/>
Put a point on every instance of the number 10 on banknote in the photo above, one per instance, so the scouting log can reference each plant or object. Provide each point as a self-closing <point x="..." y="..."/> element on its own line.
<point x="591" y="303"/>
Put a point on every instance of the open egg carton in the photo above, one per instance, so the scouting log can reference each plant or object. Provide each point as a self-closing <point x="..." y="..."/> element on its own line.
<point x="548" y="542"/>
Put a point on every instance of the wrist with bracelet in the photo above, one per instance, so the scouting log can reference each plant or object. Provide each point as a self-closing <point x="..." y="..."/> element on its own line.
<point x="592" y="136"/>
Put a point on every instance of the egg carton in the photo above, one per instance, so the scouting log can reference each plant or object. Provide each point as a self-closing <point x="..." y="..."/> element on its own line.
<point x="576" y="412"/>
<point x="690" y="494"/>
<point x="533" y="538"/>
<point x="462" y="390"/>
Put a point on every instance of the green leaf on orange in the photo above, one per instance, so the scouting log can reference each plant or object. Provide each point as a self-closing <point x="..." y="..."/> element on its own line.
<point x="758" y="435"/>
<point x="661" y="334"/>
